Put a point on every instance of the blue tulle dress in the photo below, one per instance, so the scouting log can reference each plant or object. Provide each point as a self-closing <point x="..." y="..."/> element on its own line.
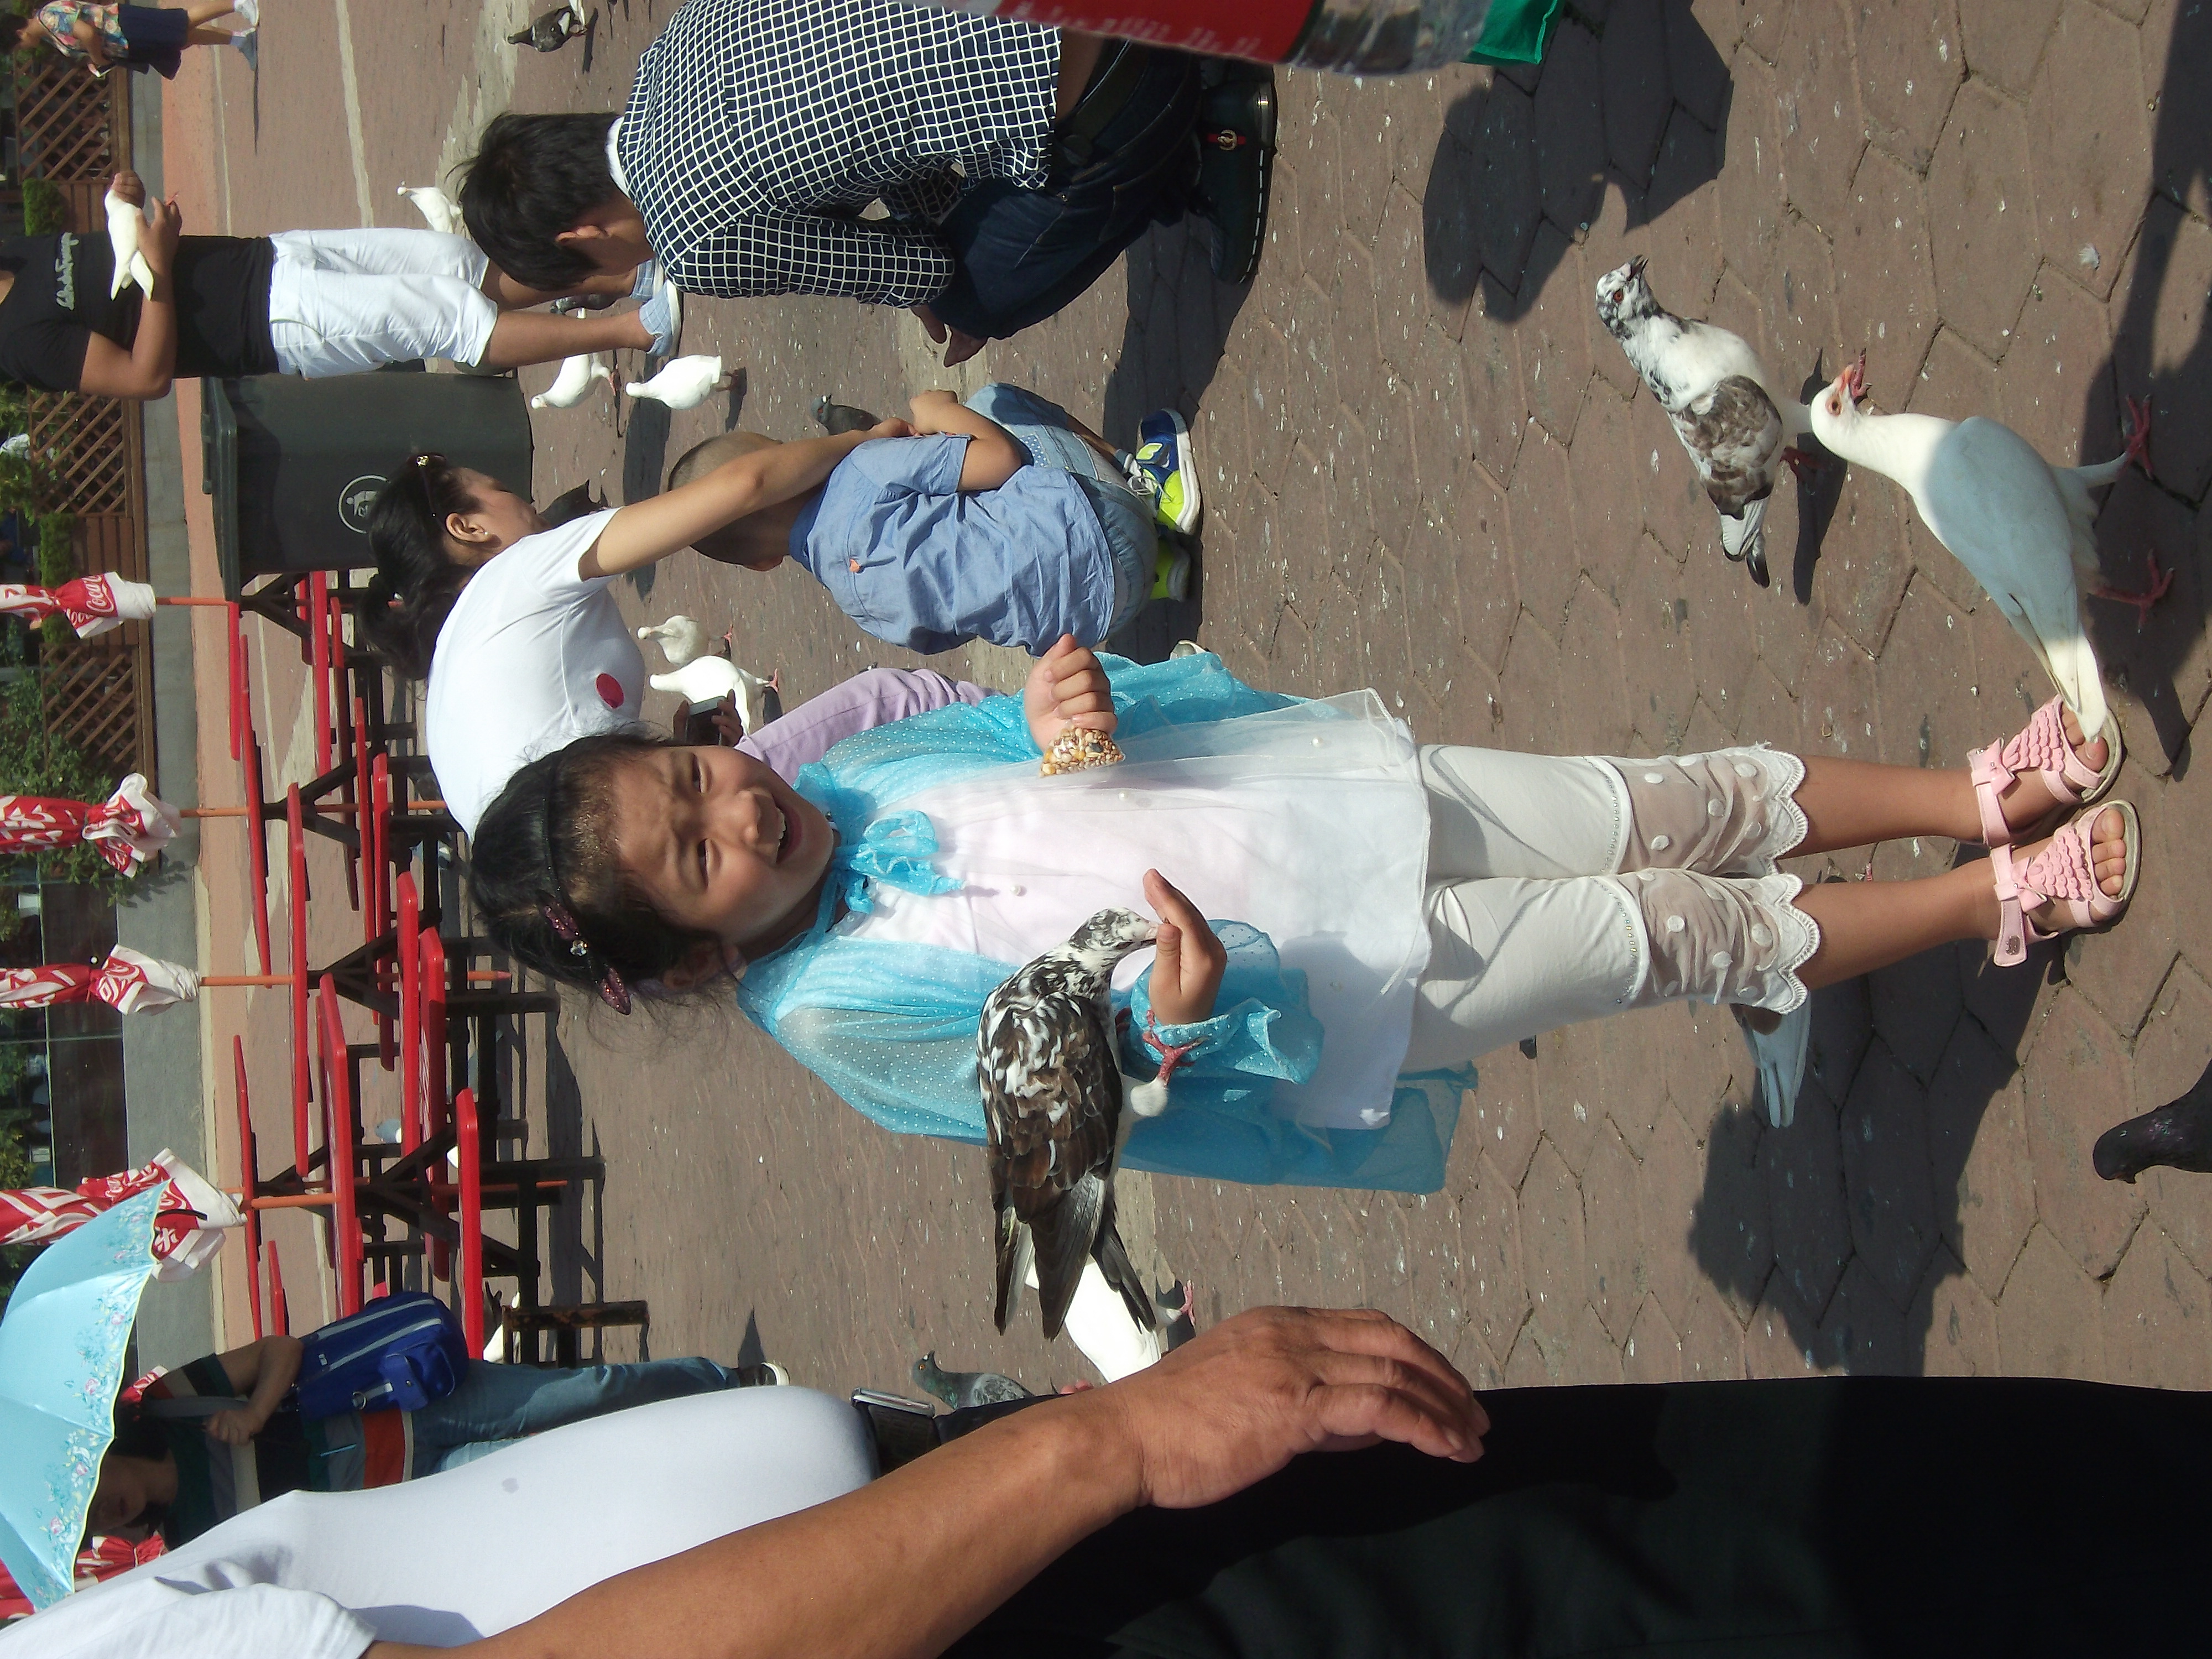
<point x="889" y="1024"/>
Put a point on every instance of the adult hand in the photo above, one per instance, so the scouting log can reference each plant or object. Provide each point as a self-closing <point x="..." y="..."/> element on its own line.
<point x="727" y="721"/>
<point x="930" y="325"/>
<point x="1187" y="959"/>
<point x="1068" y="687"/>
<point x="236" y="1428"/>
<point x="961" y="347"/>
<point x="158" y="241"/>
<point x="1235" y="1404"/>
<point x="130" y="187"/>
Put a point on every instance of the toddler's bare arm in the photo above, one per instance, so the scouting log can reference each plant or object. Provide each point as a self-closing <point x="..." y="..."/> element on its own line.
<point x="995" y="455"/>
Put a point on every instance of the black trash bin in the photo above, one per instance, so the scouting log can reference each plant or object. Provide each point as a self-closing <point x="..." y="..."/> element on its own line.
<point x="294" y="465"/>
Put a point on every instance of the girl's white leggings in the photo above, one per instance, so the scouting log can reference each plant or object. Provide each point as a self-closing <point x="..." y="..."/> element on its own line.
<point x="1565" y="888"/>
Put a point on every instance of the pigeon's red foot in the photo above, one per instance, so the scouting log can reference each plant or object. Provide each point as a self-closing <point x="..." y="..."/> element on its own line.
<point x="1803" y="463"/>
<point x="1171" y="1054"/>
<point x="2144" y="598"/>
<point x="2139" y="435"/>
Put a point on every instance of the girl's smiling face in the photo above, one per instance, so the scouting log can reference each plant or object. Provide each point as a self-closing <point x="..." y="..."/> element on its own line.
<point x="716" y="841"/>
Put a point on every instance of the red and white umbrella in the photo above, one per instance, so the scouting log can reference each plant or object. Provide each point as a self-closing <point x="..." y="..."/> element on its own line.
<point x="128" y="829"/>
<point x="127" y="980"/>
<point x="92" y="603"/>
<point x="187" y="1231"/>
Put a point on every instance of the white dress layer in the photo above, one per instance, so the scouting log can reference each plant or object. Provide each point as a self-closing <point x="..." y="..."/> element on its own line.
<point x="1309" y="823"/>
<point x="474" y="1551"/>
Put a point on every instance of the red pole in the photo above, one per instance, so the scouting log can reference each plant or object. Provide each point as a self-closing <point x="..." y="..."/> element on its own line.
<point x="296" y="852"/>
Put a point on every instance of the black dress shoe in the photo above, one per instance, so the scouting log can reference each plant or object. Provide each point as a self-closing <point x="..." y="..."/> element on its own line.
<point x="2178" y="1135"/>
<point x="1236" y="168"/>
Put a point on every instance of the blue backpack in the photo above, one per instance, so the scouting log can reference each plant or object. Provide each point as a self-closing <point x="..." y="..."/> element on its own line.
<point x="401" y="1353"/>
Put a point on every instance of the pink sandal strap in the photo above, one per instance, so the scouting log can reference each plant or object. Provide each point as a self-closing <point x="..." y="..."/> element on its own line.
<point x="2039" y="747"/>
<point x="2063" y="874"/>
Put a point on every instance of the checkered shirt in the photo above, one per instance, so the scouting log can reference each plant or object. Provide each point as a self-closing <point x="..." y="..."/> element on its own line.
<point x="757" y="130"/>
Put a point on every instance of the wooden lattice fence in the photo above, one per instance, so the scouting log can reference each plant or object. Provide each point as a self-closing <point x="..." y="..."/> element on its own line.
<point x="97" y="694"/>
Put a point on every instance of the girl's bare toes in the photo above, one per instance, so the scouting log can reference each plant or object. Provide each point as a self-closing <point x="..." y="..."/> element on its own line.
<point x="2108" y="852"/>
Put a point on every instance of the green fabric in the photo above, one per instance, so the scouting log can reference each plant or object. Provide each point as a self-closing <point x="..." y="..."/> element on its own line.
<point x="1832" y="1518"/>
<point x="1517" y="30"/>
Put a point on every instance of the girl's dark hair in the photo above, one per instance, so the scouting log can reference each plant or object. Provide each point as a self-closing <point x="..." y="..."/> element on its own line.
<point x="137" y="1435"/>
<point x="534" y="177"/>
<point x="550" y="840"/>
<point x="416" y="579"/>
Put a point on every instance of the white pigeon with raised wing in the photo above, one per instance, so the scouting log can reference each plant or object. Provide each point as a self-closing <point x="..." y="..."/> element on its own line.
<point x="126" y="224"/>
<point x="1737" y="425"/>
<point x="574" y="382"/>
<point x="685" y="383"/>
<point x="436" y="208"/>
<point x="681" y="639"/>
<point x="2020" y="526"/>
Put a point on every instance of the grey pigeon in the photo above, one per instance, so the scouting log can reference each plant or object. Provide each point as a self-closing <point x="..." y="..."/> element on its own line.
<point x="834" y="419"/>
<point x="1052" y="1093"/>
<point x="553" y="31"/>
<point x="571" y="504"/>
<point x="1737" y="427"/>
<point x="959" y="1388"/>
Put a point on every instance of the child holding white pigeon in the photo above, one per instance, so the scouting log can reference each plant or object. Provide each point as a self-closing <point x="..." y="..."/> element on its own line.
<point x="308" y="303"/>
<point x="1005" y="519"/>
<point x="508" y="617"/>
<point x="1397" y="910"/>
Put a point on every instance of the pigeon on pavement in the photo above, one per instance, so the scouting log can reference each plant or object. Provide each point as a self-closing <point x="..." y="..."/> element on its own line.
<point x="684" y="384"/>
<point x="554" y="29"/>
<point x="1047" y="1060"/>
<point x="960" y="1388"/>
<point x="836" y="418"/>
<point x="574" y="381"/>
<point x="2020" y="526"/>
<point x="680" y="639"/>
<point x="1737" y="426"/>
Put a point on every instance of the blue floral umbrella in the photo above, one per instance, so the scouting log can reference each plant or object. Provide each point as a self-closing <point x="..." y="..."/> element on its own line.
<point x="62" y="1349"/>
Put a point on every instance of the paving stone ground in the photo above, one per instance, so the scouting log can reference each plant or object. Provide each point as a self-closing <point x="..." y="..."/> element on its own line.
<point x="1429" y="470"/>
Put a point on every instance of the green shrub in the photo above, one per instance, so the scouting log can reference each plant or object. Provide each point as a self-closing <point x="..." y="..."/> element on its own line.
<point x="45" y="209"/>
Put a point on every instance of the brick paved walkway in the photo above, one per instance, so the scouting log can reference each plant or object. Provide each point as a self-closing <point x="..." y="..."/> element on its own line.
<point x="1429" y="471"/>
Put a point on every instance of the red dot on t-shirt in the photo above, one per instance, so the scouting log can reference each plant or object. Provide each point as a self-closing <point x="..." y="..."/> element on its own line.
<point x="610" y="691"/>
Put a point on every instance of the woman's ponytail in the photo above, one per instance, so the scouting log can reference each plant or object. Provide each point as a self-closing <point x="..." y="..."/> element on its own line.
<point x="416" y="579"/>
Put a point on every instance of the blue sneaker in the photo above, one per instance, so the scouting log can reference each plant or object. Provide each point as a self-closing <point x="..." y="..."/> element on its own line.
<point x="1161" y="469"/>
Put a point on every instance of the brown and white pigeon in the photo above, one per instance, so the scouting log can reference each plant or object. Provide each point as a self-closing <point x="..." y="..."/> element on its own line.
<point x="1053" y="1098"/>
<point x="1738" y="426"/>
<point x="554" y="30"/>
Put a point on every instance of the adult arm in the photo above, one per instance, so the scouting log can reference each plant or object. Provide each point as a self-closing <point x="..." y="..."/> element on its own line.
<point x="88" y="36"/>
<point x="145" y="371"/>
<point x="877" y="262"/>
<point x="994" y="455"/>
<point x="262" y="1371"/>
<point x="875" y="697"/>
<point x="652" y="529"/>
<point x="901" y="1568"/>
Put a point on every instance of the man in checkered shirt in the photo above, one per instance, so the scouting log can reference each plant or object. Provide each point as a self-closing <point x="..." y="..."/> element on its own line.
<point x="1015" y="163"/>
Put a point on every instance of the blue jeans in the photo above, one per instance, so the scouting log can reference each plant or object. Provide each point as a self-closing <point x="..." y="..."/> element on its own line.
<point x="1042" y="427"/>
<point x="1022" y="254"/>
<point x="497" y="1405"/>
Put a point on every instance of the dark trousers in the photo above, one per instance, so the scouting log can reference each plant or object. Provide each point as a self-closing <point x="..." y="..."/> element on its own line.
<point x="1864" y="1516"/>
<point x="1023" y="254"/>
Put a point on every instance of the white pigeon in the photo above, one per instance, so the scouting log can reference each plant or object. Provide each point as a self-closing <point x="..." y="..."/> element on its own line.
<point x="685" y="383"/>
<point x="704" y="682"/>
<point x="436" y="208"/>
<point x="574" y="382"/>
<point x="17" y="448"/>
<point x="1048" y="1062"/>
<point x="680" y="638"/>
<point x="2021" y="526"/>
<point x="126" y="223"/>
<point x="1738" y="426"/>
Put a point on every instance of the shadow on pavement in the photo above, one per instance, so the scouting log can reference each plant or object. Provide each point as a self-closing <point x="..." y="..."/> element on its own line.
<point x="645" y="460"/>
<point x="1639" y="101"/>
<point x="1178" y="322"/>
<point x="2162" y="351"/>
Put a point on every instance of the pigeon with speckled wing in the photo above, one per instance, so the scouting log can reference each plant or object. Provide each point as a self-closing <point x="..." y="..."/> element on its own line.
<point x="1054" y="1094"/>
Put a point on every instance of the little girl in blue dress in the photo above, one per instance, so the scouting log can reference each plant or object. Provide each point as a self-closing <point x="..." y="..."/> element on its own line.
<point x="1387" y="913"/>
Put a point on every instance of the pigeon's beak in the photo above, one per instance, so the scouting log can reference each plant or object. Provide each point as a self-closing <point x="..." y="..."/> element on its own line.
<point x="1636" y="267"/>
<point x="1854" y="378"/>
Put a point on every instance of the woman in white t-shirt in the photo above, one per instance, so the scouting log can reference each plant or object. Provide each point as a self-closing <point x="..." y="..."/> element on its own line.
<point x="510" y="620"/>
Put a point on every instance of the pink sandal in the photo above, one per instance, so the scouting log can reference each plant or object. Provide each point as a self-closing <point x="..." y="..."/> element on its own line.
<point x="2040" y="748"/>
<point x="2062" y="874"/>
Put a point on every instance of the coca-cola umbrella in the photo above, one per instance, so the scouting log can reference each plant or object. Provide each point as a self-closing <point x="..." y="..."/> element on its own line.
<point x="135" y="983"/>
<point x="93" y="605"/>
<point x="129" y="829"/>
<point x="188" y="1227"/>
